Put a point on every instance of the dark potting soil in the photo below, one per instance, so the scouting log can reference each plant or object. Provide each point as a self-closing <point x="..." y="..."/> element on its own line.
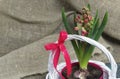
<point x="94" y="73"/>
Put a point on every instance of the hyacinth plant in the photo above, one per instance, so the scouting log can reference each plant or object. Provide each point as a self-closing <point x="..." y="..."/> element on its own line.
<point x="86" y="25"/>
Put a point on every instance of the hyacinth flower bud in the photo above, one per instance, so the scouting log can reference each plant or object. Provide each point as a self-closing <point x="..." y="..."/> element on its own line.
<point x="88" y="12"/>
<point x="81" y="21"/>
<point x="85" y="15"/>
<point x="76" y="20"/>
<point x="89" y="17"/>
<point x="85" y="8"/>
<point x="88" y="24"/>
<point x="83" y="11"/>
<point x="86" y="21"/>
<point x="78" y="16"/>
<point x="76" y="28"/>
<point x="84" y="32"/>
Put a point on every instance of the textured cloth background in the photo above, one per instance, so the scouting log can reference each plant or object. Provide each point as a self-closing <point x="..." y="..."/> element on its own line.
<point x="26" y="25"/>
<point x="25" y="21"/>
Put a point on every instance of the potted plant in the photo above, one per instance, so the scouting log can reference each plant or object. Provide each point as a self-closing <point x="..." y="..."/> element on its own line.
<point x="83" y="35"/>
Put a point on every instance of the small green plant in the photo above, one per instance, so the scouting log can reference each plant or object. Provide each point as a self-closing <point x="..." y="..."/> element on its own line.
<point x="86" y="25"/>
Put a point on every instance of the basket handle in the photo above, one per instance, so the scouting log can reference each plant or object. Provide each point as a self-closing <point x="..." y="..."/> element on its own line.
<point x="101" y="47"/>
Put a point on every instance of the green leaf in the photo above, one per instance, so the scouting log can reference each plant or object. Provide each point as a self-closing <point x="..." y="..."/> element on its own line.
<point x="74" y="44"/>
<point x="94" y="29"/>
<point x="96" y="15"/>
<point x="94" y="26"/>
<point x="89" y="7"/>
<point x="76" y="32"/>
<point x="64" y="18"/>
<point x="93" y="32"/>
<point x="102" y="26"/>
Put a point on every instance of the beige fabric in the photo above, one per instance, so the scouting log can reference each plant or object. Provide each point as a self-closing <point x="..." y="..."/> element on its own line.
<point x="24" y="61"/>
<point x="25" y="21"/>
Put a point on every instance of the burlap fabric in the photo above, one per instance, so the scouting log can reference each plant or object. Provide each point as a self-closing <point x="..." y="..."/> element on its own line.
<point x="25" y="21"/>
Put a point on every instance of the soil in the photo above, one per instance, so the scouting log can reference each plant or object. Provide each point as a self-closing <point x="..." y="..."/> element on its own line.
<point x="94" y="73"/>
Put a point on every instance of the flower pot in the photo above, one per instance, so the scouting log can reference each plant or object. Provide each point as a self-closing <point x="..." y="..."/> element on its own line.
<point x="107" y="73"/>
<point x="94" y="70"/>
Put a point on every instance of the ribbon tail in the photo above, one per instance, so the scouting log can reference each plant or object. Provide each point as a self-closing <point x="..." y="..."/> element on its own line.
<point x="67" y="59"/>
<point x="56" y="57"/>
<point x="55" y="61"/>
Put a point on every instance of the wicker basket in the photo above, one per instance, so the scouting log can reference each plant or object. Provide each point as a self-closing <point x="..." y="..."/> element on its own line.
<point x="108" y="73"/>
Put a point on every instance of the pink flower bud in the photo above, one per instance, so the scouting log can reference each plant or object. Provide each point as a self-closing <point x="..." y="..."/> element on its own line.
<point x="76" y="28"/>
<point x="84" y="33"/>
<point x="89" y="17"/>
<point x="80" y="21"/>
<point x="85" y="15"/>
<point x="76" y="20"/>
<point x="78" y="17"/>
<point x="86" y="21"/>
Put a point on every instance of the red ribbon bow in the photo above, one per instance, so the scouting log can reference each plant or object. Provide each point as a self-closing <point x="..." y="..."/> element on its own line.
<point x="60" y="47"/>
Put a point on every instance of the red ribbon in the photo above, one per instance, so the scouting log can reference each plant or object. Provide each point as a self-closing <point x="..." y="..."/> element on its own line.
<point x="60" y="47"/>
